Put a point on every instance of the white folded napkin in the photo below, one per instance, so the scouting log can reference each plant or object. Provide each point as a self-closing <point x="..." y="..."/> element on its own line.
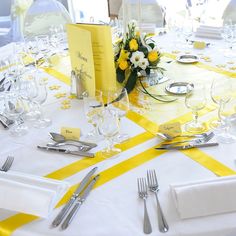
<point x="205" y="31"/>
<point x="30" y="194"/>
<point x="204" y="198"/>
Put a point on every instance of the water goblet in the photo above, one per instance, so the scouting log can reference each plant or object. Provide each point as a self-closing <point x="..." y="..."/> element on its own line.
<point x="14" y="109"/>
<point x="196" y="101"/>
<point x="109" y="127"/>
<point x="118" y="101"/>
<point x="93" y="107"/>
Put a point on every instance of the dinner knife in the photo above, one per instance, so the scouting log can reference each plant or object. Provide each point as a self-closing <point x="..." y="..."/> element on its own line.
<point x="186" y="146"/>
<point x="66" y="151"/>
<point x="78" y="203"/>
<point x="75" y="195"/>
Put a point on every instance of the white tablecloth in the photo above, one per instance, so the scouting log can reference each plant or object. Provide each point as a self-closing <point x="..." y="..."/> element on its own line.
<point x="114" y="208"/>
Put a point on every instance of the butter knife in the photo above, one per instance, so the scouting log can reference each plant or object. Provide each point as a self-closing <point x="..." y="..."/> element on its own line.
<point x="74" y="196"/>
<point x="186" y="146"/>
<point x="78" y="203"/>
<point x="67" y="151"/>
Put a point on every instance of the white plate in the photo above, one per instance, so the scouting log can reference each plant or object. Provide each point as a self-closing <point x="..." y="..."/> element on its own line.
<point x="187" y="58"/>
<point x="179" y="88"/>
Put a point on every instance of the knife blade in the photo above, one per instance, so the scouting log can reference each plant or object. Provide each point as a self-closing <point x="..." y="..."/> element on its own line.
<point x="78" y="203"/>
<point x="66" y="151"/>
<point x="74" y="196"/>
<point x="186" y="146"/>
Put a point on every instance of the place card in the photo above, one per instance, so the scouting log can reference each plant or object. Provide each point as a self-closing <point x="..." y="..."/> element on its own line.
<point x="173" y="129"/>
<point x="70" y="133"/>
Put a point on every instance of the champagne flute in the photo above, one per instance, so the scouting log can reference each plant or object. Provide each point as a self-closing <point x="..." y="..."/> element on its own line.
<point x="118" y="101"/>
<point x="93" y="107"/>
<point x="196" y="101"/>
<point x="109" y="127"/>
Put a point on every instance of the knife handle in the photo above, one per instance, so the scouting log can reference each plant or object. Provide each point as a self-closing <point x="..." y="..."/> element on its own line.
<point x="62" y="213"/>
<point x="71" y="215"/>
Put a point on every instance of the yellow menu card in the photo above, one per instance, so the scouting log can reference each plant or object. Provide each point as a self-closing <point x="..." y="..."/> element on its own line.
<point x="92" y="57"/>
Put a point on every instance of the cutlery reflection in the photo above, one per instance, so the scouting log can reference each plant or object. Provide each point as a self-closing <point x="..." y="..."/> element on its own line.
<point x="73" y="198"/>
<point x="67" y="151"/>
<point x="78" y="203"/>
<point x="173" y="147"/>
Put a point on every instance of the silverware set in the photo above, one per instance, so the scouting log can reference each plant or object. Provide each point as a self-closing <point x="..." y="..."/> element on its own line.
<point x="70" y="209"/>
<point x="60" y="145"/>
<point x="152" y="184"/>
<point x="7" y="164"/>
<point x="201" y="141"/>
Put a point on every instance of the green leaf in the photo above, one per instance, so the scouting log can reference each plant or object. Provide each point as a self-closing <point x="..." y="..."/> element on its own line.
<point x="152" y="45"/>
<point x="120" y="75"/>
<point x="131" y="81"/>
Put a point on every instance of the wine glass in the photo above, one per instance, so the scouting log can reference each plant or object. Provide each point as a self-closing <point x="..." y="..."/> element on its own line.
<point x="221" y="94"/>
<point x="118" y="102"/>
<point x="196" y="101"/>
<point x="43" y="46"/>
<point x="41" y="98"/>
<point x="14" y="108"/>
<point x="109" y="127"/>
<point x="93" y="107"/>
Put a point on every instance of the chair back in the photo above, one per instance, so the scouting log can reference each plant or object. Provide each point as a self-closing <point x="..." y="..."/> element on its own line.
<point x="229" y="12"/>
<point x="42" y="15"/>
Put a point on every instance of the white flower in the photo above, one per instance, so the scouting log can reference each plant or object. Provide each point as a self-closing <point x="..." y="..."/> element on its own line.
<point x="136" y="58"/>
<point x="143" y="63"/>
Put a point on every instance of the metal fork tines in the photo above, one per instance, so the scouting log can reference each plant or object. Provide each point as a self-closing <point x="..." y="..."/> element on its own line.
<point x="7" y="164"/>
<point x="142" y="191"/>
<point x="154" y="187"/>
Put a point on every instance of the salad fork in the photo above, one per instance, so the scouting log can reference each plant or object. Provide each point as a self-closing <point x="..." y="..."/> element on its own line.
<point x="7" y="164"/>
<point x="154" y="187"/>
<point x="142" y="191"/>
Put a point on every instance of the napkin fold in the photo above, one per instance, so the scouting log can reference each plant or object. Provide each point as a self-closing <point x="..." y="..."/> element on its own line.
<point x="205" y="31"/>
<point x="205" y="198"/>
<point x="30" y="194"/>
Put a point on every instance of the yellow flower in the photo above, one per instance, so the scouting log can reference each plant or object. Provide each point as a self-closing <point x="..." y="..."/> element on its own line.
<point x="137" y="34"/>
<point x="133" y="45"/>
<point x="123" y="65"/>
<point x="152" y="56"/>
<point x="124" y="55"/>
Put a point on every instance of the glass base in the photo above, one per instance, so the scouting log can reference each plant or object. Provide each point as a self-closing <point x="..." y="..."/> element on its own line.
<point x="214" y="124"/>
<point x="121" y="138"/>
<point x="19" y="130"/>
<point x="223" y="135"/>
<point x="196" y="128"/>
<point x="42" y="123"/>
<point x="110" y="153"/>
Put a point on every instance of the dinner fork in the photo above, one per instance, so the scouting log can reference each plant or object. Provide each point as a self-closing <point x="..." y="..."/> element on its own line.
<point x="7" y="164"/>
<point x="142" y="191"/>
<point x="154" y="187"/>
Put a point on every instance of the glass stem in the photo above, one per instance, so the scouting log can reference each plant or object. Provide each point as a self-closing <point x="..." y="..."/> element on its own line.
<point x="195" y="116"/>
<point x="221" y="106"/>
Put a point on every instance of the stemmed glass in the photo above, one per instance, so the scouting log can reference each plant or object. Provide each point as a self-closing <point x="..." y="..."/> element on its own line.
<point x="43" y="46"/>
<point x="221" y="94"/>
<point x="196" y="101"/>
<point x="109" y="127"/>
<point x="14" y="108"/>
<point x="118" y="102"/>
<point x="229" y="35"/>
<point x="41" y="98"/>
<point x="93" y="107"/>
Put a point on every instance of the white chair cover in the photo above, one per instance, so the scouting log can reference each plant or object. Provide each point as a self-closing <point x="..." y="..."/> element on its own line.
<point x="44" y="14"/>
<point x="150" y="12"/>
<point x="229" y="12"/>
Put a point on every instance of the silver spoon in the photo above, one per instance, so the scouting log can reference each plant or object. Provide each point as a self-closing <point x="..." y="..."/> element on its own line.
<point x="60" y="139"/>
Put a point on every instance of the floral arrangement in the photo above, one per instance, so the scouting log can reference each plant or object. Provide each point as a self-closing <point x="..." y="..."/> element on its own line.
<point x="135" y="55"/>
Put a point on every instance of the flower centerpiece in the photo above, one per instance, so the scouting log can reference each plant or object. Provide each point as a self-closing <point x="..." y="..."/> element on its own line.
<point x="135" y="55"/>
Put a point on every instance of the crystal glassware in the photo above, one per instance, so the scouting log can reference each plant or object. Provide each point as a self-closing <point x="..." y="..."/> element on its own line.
<point x="196" y="101"/>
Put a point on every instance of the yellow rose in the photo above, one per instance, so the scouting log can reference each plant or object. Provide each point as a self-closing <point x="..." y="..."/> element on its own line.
<point x="123" y="65"/>
<point x="152" y="56"/>
<point x="133" y="45"/>
<point x="124" y="55"/>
